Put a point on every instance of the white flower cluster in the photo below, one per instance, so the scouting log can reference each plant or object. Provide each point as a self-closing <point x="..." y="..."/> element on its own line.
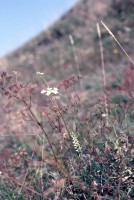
<point x="40" y="73"/>
<point x="49" y="91"/>
<point x="76" y="143"/>
<point x="104" y="115"/>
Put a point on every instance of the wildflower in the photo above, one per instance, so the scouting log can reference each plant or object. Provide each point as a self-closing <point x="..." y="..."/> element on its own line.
<point x="0" y="173"/>
<point x="104" y="115"/>
<point x="49" y="91"/>
<point x="76" y="143"/>
<point x="40" y="73"/>
<point x="14" y="72"/>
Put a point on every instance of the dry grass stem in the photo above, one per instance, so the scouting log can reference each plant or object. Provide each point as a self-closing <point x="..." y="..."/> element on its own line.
<point x="103" y="71"/>
<point x="117" y="42"/>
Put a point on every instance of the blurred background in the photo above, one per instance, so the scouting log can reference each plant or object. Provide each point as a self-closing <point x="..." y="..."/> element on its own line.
<point x="22" y="20"/>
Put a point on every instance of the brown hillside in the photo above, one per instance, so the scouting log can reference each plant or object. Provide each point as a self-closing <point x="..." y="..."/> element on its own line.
<point x="51" y="51"/>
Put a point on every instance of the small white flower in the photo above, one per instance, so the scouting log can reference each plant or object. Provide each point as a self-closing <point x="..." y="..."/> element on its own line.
<point x="40" y="73"/>
<point x="55" y="90"/>
<point x="49" y="91"/>
<point x="0" y="173"/>
<point x="14" y="72"/>
<point x="43" y="91"/>
<point x="104" y="115"/>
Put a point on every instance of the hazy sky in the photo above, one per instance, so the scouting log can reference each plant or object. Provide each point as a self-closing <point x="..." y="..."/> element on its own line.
<point x="22" y="19"/>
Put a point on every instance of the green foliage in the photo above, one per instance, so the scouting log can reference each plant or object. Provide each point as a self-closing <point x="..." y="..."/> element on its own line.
<point x="8" y="193"/>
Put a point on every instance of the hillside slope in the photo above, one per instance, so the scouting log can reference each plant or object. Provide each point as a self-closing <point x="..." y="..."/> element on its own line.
<point x="51" y="51"/>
